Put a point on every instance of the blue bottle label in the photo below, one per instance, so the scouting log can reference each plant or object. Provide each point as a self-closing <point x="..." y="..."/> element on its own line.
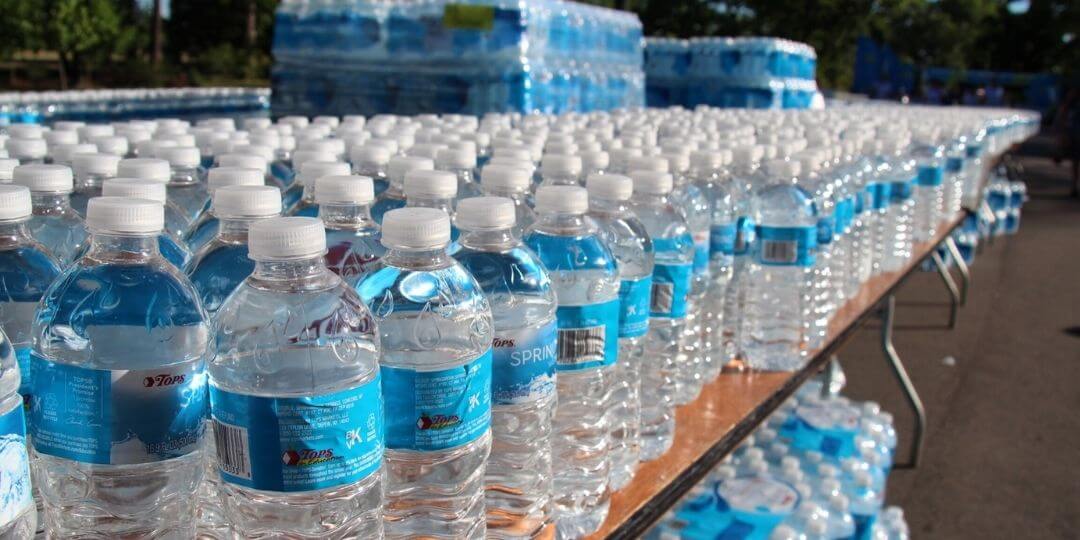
<point x="930" y="175"/>
<point x="954" y="164"/>
<point x="786" y="246"/>
<point x="117" y="417"/>
<point x="880" y="193"/>
<point x="701" y="253"/>
<point x="523" y="364"/>
<point x="825" y="228"/>
<point x="900" y="191"/>
<point x="15" y="493"/>
<point x="671" y="285"/>
<point x="634" y="307"/>
<point x="864" y="525"/>
<point x="588" y="336"/>
<point x="436" y="410"/>
<point x="722" y="239"/>
<point x="744" y="235"/>
<point x="26" y="381"/>
<point x="973" y="150"/>
<point x="845" y="210"/>
<point x="299" y="443"/>
<point x="860" y="202"/>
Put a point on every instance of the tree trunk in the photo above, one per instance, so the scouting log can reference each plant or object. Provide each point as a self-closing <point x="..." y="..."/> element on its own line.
<point x="157" y="33"/>
<point x="252" y="23"/>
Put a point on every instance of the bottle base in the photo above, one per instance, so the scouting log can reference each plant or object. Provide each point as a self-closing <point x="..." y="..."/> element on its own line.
<point x="576" y="525"/>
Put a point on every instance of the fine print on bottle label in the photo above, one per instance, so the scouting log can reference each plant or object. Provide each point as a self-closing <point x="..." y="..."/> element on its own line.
<point x="16" y="496"/>
<point x="523" y="364"/>
<point x="117" y="417"/>
<point x="436" y="410"/>
<point x="588" y="335"/>
<point x="299" y="444"/>
<point x="634" y="295"/>
<point x="786" y="246"/>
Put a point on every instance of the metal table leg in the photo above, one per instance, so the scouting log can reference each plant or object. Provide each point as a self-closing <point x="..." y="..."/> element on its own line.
<point x="954" y="293"/>
<point x="965" y="273"/>
<point x="901" y="374"/>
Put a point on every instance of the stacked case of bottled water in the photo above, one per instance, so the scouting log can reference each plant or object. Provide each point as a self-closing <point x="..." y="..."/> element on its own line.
<point x="755" y="72"/>
<point x="439" y="326"/>
<point x="412" y="57"/>
<point x="104" y="105"/>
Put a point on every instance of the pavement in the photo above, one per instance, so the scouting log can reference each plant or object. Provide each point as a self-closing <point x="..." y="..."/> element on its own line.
<point x="1002" y="389"/>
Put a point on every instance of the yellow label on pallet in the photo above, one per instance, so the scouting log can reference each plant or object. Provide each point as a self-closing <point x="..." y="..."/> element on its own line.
<point x="468" y="17"/>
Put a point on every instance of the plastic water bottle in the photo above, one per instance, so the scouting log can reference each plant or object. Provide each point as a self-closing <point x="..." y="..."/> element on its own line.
<point x="54" y="223"/>
<point x="148" y="168"/>
<point x="187" y="182"/>
<point x="519" y="475"/>
<point x="206" y="225"/>
<point x="708" y="171"/>
<point x="929" y="186"/>
<point x="866" y="503"/>
<point x="823" y="302"/>
<point x="373" y="162"/>
<point x="296" y="394"/>
<point x="626" y="236"/>
<point x="511" y="183"/>
<point x="436" y="330"/>
<point x="27" y="151"/>
<point x="668" y="307"/>
<point x="353" y="249"/>
<point x="91" y="170"/>
<point x="124" y="328"/>
<point x="781" y="271"/>
<point x="18" y="516"/>
<point x="462" y="162"/>
<point x="901" y="174"/>
<point x="309" y="172"/>
<point x="169" y="245"/>
<point x="586" y="280"/>
<point x="394" y="196"/>
<point x="560" y="170"/>
<point x="746" y="175"/>
<point x="953" y="192"/>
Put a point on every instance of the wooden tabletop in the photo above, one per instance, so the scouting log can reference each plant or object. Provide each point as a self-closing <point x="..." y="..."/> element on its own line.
<point x="730" y="408"/>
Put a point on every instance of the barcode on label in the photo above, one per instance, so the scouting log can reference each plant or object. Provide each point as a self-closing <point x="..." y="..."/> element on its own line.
<point x="779" y="251"/>
<point x="662" y="298"/>
<point x="234" y="456"/>
<point x="578" y="345"/>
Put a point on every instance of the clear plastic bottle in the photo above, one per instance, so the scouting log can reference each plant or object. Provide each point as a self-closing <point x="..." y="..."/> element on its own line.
<point x="823" y="301"/>
<point x="296" y="398"/>
<point x="54" y="223"/>
<point x="560" y="170"/>
<point x="18" y="515"/>
<point x="148" y="168"/>
<point x="586" y="280"/>
<point x="512" y="183"/>
<point x="609" y="197"/>
<point x="394" y="196"/>
<point x="353" y="248"/>
<point x="708" y="170"/>
<point x="91" y="170"/>
<point x="436" y="329"/>
<point x="462" y="162"/>
<point x="781" y="271"/>
<point x="929" y="185"/>
<point x="519" y="475"/>
<point x="205" y="227"/>
<point x="187" y="182"/>
<point x="169" y="245"/>
<point x="309" y="172"/>
<point x="866" y="503"/>
<point x="124" y="328"/>
<point x="373" y="162"/>
<point x="672" y="275"/>
<point x="746" y="176"/>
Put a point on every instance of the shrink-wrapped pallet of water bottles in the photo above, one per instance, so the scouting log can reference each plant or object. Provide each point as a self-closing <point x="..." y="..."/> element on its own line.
<point x="755" y="72"/>
<point x="112" y="104"/>
<point x="423" y="326"/>
<point x="472" y="57"/>
<point x="816" y="470"/>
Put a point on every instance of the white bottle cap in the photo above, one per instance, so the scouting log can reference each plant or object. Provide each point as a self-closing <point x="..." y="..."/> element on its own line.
<point x="148" y="168"/>
<point x="56" y="138"/>
<point x="181" y="156"/>
<point x="455" y="158"/>
<point x="595" y="160"/>
<point x="90" y="131"/>
<point x="486" y="213"/>
<point x="647" y="163"/>
<point x="347" y="189"/>
<point x="246" y="161"/>
<point x="506" y="177"/>
<point x="41" y="178"/>
<point x="370" y="154"/>
<point x="610" y="187"/>
<point x="285" y="238"/>
<point x="153" y="148"/>
<point x="135" y="188"/>
<point x="416" y="229"/>
<point x="14" y="202"/>
<point x="390" y="145"/>
<point x="839" y="502"/>
<point x="560" y="165"/>
<point x="246" y="201"/>
<point x="652" y="182"/>
<point x="111" y="144"/>
<point x="256" y="123"/>
<point x="265" y="152"/>
<point x="329" y="146"/>
<point x="124" y="215"/>
<point x="26" y="148"/>
<point x="25" y="131"/>
<point x="313" y="170"/>
<point x="430" y="184"/>
<point x="219" y="177"/>
<point x="515" y="153"/>
<point x="401" y="165"/>
<point x="7" y="169"/>
<point x="783" y="532"/>
<point x="562" y="200"/>
<point x="64" y="152"/>
<point x="67" y="125"/>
